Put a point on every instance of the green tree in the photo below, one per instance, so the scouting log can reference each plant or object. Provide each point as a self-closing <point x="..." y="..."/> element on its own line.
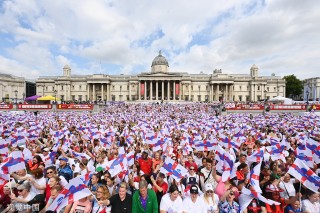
<point x="294" y="86"/>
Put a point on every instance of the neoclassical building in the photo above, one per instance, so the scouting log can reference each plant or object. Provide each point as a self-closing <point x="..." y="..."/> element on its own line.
<point x="12" y="88"/>
<point x="311" y="89"/>
<point x="161" y="84"/>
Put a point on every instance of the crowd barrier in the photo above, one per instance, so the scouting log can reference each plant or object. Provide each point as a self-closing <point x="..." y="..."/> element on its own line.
<point x="270" y="107"/>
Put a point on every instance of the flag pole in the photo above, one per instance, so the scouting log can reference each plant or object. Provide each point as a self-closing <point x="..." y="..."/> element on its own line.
<point x="299" y="195"/>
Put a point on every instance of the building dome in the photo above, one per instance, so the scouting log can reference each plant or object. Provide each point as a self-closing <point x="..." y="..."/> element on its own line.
<point x="66" y="66"/>
<point x="159" y="60"/>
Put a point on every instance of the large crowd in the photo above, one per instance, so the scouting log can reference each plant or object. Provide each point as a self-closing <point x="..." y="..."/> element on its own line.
<point x="159" y="158"/>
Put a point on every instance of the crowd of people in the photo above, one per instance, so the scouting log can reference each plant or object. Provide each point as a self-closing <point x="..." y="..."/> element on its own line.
<point x="150" y="158"/>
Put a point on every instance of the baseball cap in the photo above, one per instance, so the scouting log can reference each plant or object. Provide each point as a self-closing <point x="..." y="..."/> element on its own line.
<point x="208" y="187"/>
<point x="64" y="159"/>
<point x="192" y="180"/>
<point x="46" y="149"/>
<point x="194" y="189"/>
<point x="7" y="185"/>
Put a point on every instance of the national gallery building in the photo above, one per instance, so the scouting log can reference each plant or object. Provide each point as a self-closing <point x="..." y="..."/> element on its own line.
<point x="162" y="84"/>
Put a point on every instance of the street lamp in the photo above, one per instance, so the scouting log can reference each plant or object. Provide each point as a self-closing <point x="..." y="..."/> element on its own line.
<point x="120" y="93"/>
<point x="16" y="94"/>
<point x="55" y="96"/>
<point x="264" y="102"/>
<point x="307" y="104"/>
<point x="23" y="96"/>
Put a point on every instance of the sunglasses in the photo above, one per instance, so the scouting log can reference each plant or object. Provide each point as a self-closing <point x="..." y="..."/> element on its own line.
<point x="20" y="190"/>
<point x="49" y="173"/>
<point x="210" y="192"/>
<point x="191" y="169"/>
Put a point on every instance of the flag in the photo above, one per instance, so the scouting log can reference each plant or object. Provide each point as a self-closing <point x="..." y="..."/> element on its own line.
<point x="4" y="148"/>
<point x="314" y="146"/>
<point x="256" y="156"/>
<point x="73" y="191"/>
<point x="305" y="175"/>
<point x="228" y="162"/>
<point x="171" y="167"/>
<point x="254" y="177"/>
<point x="13" y="163"/>
<point x="79" y="155"/>
<point x="86" y="177"/>
<point x="304" y="154"/>
<point x="117" y="165"/>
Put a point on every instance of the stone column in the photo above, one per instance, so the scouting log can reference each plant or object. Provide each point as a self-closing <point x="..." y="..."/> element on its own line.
<point x="189" y="88"/>
<point x="150" y="90"/>
<point x="145" y="90"/>
<point x="180" y="90"/>
<point x="252" y="93"/>
<point x="93" y="92"/>
<point x="230" y="91"/>
<point x="129" y="92"/>
<point x="108" y="92"/>
<point x="212" y="92"/>
<point x="174" y="90"/>
<point x="217" y="92"/>
<point x="157" y="90"/>
<point x="162" y="94"/>
<point x="168" y="91"/>
<point x="139" y="92"/>
<point x="227" y="92"/>
<point x="102" y="94"/>
<point x="88" y="91"/>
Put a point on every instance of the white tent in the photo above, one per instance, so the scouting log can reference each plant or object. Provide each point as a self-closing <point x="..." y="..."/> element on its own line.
<point x="280" y="99"/>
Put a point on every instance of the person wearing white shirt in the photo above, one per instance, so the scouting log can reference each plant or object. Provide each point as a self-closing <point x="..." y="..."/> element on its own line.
<point x="194" y="203"/>
<point x="287" y="186"/>
<point x="210" y="199"/>
<point x="312" y="204"/>
<point x="171" y="202"/>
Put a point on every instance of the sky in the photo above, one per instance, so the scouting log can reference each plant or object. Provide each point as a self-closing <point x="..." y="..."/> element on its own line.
<point x="39" y="37"/>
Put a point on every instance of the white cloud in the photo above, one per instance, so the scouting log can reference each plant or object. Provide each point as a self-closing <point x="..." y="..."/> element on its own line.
<point x="280" y="36"/>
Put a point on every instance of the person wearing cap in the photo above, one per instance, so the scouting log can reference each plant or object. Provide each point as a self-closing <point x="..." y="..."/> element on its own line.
<point x="171" y="202"/>
<point x="5" y="198"/>
<point x="194" y="203"/>
<point x="273" y="193"/>
<point x="144" y="200"/>
<point x="64" y="169"/>
<point x="210" y="199"/>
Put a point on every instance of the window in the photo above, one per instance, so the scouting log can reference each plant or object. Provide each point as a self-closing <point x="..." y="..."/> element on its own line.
<point x="207" y="87"/>
<point x="247" y="98"/>
<point x="240" y="88"/>
<point x="46" y="88"/>
<point x="191" y="87"/>
<point x="128" y="87"/>
<point x="72" y="86"/>
<point x="73" y="97"/>
<point x="61" y="87"/>
<point x="259" y="97"/>
<point x="247" y="88"/>
<point x="258" y="87"/>
<point x="268" y="89"/>
<point x="274" y="89"/>
<point x="80" y="97"/>
<point x="240" y="97"/>
<point x="199" y="97"/>
<point x="79" y="87"/>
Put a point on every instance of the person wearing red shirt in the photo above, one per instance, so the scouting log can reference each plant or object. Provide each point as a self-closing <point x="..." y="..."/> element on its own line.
<point x="191" y="163"/>
<point x="159" y="186"/>
<point x="145" y="163"/>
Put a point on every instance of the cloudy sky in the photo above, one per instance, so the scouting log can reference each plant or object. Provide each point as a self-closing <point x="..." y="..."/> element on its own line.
<point x="38" y="37"/>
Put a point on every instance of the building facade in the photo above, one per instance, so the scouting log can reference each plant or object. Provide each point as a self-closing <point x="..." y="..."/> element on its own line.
<point x="311" y="89"/>
<point x="161" y="84"/>
<point x="12" y="88"/>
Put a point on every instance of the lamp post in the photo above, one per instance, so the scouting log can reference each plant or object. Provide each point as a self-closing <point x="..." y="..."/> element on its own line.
<point x="96" y="96"/>
<point x="16" y="94"/>
<point x="120" y="93"/>
<point x="307" y="103"/>
<point x="199" y="97"/>
<point x="23" y="96"/>
<point x="55" y="96"/>
<point x="264" y="102"/>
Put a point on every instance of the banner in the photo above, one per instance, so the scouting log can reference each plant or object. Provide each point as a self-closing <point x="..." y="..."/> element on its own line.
<point x="34" y="106"/>
<point x="177" y="88"/>
<point x="75" y="106"/>
<point x="142" y="89"/>
<point x="6" y="106"/>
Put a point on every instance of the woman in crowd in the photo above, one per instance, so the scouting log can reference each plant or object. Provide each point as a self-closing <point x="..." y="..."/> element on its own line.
<point x="102" y="194"/>
<point x="227" y="203"/>
<point x="94" y="183"/>
<point x="35" y="163"/>
<point x="211" y="200"/>
<point x="286" y="184"/>
<point x="38" y="182"/>
<point x="311" y="204"/>
<point x="171" y="202"/>
<point x="111" y="186"/>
